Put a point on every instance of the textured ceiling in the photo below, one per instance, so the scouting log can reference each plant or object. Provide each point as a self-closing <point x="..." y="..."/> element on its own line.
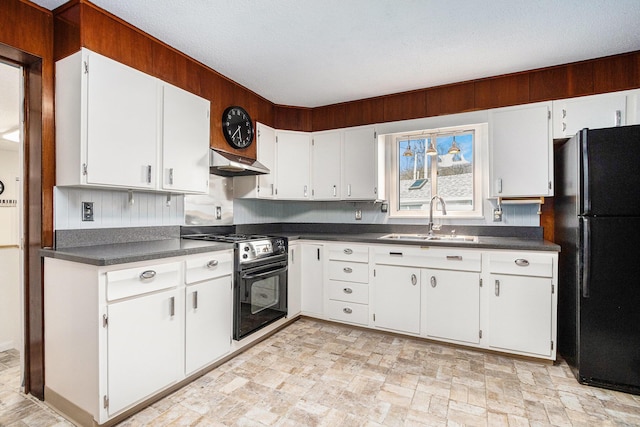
<point x="318" y="52"/>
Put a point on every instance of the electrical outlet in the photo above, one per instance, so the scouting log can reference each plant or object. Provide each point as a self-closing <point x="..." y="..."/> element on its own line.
<point x="87" y="211"/>
<point x="358" y="213"/>
<point x="497" y="215"/>
<point x="218" y="212"/>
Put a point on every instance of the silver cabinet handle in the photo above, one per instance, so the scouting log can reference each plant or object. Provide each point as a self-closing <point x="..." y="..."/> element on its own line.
<point x="272" y="189"/>
<point x="414" y="279"/>
<point x="349" y="190"/>
<point x="564" y="113"/>
<point x="499" y="185"/>
<point x="148" y="174"/>
<point x="213" y="263"/>
<point x="433" y="281"/>
<point x="497" y="288"/>
<point x="454" y="258"/>
<point x="147" y="275"/>
<point x="347" y="310"/>
<point x="347" y="270"/>
<point x="521" y="262"/>
<point x="618" y="118"/>
<point x="347" y="290"/>
<point x="172" y="306"/>
<point x="305" y="191"/>
<point x="195" y="299"/>
<point x="170" y="176"/>
<point x="564" y="127"/>
<point x="335" y="191"/>
<point x="348" y="251"/>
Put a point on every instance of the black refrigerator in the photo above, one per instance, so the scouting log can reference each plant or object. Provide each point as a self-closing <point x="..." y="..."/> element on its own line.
<point x="597" y="224"/>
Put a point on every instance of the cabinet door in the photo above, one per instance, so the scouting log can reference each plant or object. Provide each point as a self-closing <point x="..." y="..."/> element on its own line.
<point x="294" y="279"/>
<point x="451" y="305"/>
<point x="326" y="165"/>
<point x="396" y="298"/>
<point x="312" y="294"/>
<point x="293" y="152"/>
<point x="208" y="322"/>
<point x="520" y="309"/>
<point x="597" y="111"/>
<point x="520" y="145"/>
<point x="144" y="347"/>
<point x="185" y="141"/>
<point x="266" y="153"/>
<point x="359" y="164"/>
<point x="121" y="124"/>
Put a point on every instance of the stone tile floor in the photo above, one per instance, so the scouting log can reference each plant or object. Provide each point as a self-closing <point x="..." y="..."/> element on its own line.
<point x="321" y="374"/>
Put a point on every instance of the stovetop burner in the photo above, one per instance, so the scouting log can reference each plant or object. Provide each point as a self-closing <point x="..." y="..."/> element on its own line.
<point x="230" y="238"/>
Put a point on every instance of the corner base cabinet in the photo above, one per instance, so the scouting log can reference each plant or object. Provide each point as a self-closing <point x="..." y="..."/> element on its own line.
<point x="118" y="335"/>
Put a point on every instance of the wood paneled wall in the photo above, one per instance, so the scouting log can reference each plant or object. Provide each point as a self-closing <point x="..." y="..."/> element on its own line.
<point x="26" y="38"/>
<point x="591" y="77"/>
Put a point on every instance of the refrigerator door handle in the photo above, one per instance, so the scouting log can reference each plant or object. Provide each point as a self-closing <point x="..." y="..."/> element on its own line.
<point x="586" y="256"/>
<point x="584" y="188"/>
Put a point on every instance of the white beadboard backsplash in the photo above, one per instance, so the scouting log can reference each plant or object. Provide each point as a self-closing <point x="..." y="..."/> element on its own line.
<point x="254" y="211"/>
<point x="112" y="208"/>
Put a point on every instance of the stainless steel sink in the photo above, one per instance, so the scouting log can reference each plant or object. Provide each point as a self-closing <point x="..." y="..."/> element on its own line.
<point x="427" y="238"/>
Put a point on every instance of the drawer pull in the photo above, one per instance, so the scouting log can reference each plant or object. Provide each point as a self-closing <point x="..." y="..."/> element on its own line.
<point x="147" y="275"/>
<point x="497" y="288"/>
<point x="414" y="279"/>
<point x="195" y="300"/>
<point x="347" y="310"/>
<point x="395" y="253"/>
<point x="213" y="263"/>
<point x="434" y="281"/>
<point x="347" y="270"/>
<point x="348" y="251"/>
<point x="172" y="306"/>
<point x="347" y="290"/>
<point x="521" y="262"/>
<point x="454" y="258"/>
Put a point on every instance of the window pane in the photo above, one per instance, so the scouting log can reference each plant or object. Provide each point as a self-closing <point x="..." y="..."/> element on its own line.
<point x="414" y="183"/>
<point x="455" y="171"/>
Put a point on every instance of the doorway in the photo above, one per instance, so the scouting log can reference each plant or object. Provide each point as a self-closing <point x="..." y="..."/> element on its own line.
<point x="12" y="327"/>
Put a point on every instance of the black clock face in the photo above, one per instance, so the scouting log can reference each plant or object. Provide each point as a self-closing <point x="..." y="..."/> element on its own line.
<point x="237" y="127"/>
<point x="1" y="187"/>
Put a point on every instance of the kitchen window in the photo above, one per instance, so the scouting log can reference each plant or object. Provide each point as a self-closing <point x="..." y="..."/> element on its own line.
<point x="445" y="162"/>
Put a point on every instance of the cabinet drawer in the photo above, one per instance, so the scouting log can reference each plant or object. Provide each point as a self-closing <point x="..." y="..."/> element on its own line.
<point x="349" y="292"/>
<point x="454" y="259"/>
<point x="141" y="280"/>
<point x="349" y="271"/>
<point x="521" y="264"/>
<point x="216" y="264"/>
<point x="349" y="312"/>
<point x="348" y="252"/>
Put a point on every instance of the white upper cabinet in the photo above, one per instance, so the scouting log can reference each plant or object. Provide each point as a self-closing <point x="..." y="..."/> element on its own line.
<point x="521" y="151"/>
<point x="266" y="153"/>
<point x="185" y="141"/>
<point x="109" y="132"/>
<point x="596" y="111"/>
<point x="359" y="159"/>
<point x="293" y="151"/>
<point x="326" y="165"/>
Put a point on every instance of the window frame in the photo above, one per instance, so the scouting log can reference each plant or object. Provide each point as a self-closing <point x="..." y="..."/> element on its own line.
<point x="479" y="146"/>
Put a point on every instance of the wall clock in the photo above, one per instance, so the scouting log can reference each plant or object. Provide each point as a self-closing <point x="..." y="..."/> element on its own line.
<point x="1" y="187"/>
<point x="237" y="127"/>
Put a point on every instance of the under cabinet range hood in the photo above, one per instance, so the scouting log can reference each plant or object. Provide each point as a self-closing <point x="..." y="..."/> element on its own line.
<point x="227" y="164"/>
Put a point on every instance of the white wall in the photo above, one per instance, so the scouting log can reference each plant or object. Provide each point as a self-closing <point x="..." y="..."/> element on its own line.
<point x="9" y="217"/>
<point x="112" y="209"/>
<point x="10" y="325"/>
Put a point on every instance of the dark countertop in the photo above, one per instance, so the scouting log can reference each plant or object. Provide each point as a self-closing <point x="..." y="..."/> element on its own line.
<point x="484" y="242"/>
<point x="121" y="253"/>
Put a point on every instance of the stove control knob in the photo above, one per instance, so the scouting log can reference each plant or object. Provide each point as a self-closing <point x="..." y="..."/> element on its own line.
<point x="246" y="248"/>
<point x="245" y="256"/>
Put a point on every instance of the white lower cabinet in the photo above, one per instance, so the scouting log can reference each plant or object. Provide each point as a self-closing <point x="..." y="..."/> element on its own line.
<point x="143" y="351"/>
<point x="348" y="283"/>
<point x="396" y="298"/>
<point x="208" y="309"/>
<point x="118" y="335"/>
<point x="294" y="281"/>
<point x="451" y="302"/>
<point x="312" y="293"/>
<point x="522" y="303"/>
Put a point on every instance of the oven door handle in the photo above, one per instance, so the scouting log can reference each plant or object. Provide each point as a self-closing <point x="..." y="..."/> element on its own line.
<point x="266" y="273"/>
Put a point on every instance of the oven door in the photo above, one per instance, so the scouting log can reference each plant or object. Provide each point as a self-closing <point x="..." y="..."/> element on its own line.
<point x="260" y="297"/>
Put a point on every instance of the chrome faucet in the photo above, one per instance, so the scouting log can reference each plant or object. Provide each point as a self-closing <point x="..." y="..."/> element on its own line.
<point x="444" y="212"/>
